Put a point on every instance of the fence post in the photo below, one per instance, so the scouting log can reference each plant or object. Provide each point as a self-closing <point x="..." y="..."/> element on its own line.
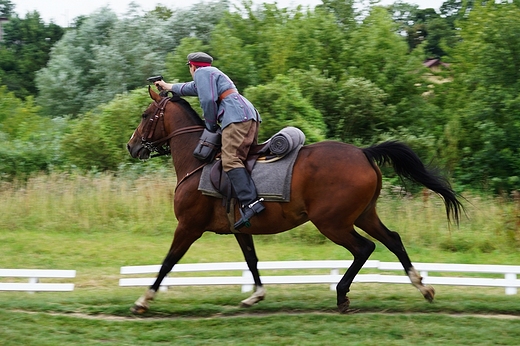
<point x="424" y="274"/>
<point x="33" y="281"/>
<point x="334" y="271"/>
<point x="247" y="274"/>
<point x="510" y="277"/>
<point x="163" y="288"/>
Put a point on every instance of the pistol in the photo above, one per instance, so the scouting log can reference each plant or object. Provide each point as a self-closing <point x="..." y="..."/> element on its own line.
<point x="154" y="79"/>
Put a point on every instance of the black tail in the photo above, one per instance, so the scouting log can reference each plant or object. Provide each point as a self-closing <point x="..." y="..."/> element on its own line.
<point x="407" y="164"/>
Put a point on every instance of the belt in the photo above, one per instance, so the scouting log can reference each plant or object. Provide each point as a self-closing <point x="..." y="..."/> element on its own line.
<point x="226" y="94"/>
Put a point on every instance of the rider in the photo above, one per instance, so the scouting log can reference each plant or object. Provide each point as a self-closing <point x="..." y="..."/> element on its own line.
<point x="221" y="103"/>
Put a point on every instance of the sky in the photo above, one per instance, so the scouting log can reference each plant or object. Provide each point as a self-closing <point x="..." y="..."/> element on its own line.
<point x="63" y="12"/>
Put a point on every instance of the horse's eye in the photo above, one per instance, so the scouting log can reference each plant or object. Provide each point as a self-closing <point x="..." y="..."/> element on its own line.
<point x="143" y="115"/>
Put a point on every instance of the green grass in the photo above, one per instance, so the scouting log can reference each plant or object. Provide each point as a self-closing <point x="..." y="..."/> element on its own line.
<point x="281" y="329"/>
<point x="97" y="224"/>
<point x="303" y="315"/>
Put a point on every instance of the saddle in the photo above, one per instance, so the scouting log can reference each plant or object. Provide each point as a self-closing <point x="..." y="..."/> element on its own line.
<point x="275" y="148"/>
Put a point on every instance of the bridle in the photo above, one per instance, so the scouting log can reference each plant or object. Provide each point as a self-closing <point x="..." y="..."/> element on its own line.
<point x="161" y="146"/>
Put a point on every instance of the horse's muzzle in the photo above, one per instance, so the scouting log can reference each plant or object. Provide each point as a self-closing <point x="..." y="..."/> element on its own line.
<point x="138" y="152"/>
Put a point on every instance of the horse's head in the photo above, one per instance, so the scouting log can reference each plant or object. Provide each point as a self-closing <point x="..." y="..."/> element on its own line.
<point x="151" y="134"/>
<point x="160" y="122"/>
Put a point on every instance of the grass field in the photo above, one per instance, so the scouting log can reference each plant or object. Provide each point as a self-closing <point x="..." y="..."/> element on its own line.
<point x="304" y="315"/>
<point x="97" y="224"/>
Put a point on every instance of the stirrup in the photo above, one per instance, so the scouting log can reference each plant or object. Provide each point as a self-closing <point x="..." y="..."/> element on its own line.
<point x="248" y="212"/>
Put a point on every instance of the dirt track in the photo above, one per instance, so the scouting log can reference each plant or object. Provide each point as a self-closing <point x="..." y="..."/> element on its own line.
<point x="176" y="317"/>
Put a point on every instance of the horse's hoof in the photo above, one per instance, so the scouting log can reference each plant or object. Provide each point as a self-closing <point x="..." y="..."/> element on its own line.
<point x="138" y="309"/>
<point x="429" y="293"/>
<point x="343" y="307"/>
<point x="249" y="302"/>
<point x="244" y="304"/>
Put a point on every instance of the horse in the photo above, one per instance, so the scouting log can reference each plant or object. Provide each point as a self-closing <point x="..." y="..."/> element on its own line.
<point x="334" y="185"/>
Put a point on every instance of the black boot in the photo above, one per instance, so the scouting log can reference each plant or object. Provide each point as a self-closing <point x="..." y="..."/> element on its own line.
<point x="245" y="189"/>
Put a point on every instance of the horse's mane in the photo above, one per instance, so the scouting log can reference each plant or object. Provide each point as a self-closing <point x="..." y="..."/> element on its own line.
<point x="186" y="105"/>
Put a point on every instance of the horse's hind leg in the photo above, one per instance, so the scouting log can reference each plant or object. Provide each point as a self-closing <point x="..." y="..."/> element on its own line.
<point x="371" y="224"/>
<point x="360" y="247"/>
<point x="248" y="249"/>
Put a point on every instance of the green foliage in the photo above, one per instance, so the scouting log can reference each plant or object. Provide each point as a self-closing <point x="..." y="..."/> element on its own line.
<point x="282" y="104"/>
<point x="101" y="58"/>
<point x="344" y="11"/>
<point x="484" y="99"/>
<point x="98" y="139"/>
<point x="198" y="20"/>
<point x="176" y="69"/>
<point x="233" y="57"/>
<point x="377" y="53"/>
<point x="338" y="71"/>
<point x="272" y="41"/>
<point x="24" y="50"/>
<point x="363" y="110"/>
<point x="28" y="141"/>
<point x="6" y="8"/>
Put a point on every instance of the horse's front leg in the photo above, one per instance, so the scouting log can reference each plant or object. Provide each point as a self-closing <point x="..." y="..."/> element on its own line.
<point x="182" y="241"/>
<point x="248" y="249"/>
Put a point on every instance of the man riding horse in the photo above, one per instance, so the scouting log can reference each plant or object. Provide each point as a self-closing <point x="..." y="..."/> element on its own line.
<point x="239" y="122"/>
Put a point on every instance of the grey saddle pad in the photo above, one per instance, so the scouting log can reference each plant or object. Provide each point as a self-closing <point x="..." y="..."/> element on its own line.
<point x="272" y="178"/>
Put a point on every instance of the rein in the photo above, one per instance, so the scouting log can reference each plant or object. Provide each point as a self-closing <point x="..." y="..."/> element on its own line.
<point x="159" y="146"/>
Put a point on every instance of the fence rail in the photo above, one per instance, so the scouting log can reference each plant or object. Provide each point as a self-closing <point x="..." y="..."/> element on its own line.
<point x="509" y="273"/>
<point x="34" y="276"/>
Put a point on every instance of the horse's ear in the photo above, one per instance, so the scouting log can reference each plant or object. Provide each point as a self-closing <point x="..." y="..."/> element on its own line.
<point x="155" y="96"/>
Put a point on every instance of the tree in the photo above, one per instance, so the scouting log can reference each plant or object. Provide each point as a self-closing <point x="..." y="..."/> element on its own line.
<point x="176" y="69"/>
<point x="379" y="54"/>
<point x="25" y="49"/>
<point x="6" y="8"/>
<point x="271" y="41"/>
<point x="67" y="81"/>
<point x="97" y="140"/>
<point x="105" y="56"/>
<point x="161" y="12"/>
<point x="427" y="26"/>
<point x="323" y="92"/>
<point x="198" y="20"/>
<point x="364" y="112"/>
<point x="456" y="10"/>
<point x="484" y="97"/>
<point x="102" y="57"/>
<point x="28" y="140"/>
<point x="344" y="11"/>
<point x="282" y="104"/>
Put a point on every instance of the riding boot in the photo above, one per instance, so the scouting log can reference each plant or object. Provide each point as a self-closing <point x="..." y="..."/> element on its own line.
<point x="247" y="196"/>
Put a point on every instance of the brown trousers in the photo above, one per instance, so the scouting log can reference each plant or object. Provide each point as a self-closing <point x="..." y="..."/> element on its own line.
<point x="237" y="139"/>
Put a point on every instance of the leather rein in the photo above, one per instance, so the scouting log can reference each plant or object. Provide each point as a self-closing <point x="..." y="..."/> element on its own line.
<point x="161" y="146"/>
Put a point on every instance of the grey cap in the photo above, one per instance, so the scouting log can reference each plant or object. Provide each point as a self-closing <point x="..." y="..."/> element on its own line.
<point x="200" y="57"/>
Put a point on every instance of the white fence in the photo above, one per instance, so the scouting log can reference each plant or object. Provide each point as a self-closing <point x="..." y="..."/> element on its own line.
<point x="336" y="269"/>
<point x="291" y="272"/>
<point x="34" y="276"/>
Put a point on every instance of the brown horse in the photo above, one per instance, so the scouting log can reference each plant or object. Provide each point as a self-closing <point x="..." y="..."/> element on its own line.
<point x="334" y="185"/>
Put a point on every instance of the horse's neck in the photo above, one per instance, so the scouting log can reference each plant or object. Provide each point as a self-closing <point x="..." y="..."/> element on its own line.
<point x="182" y="149"/>
<point x="183" y="145"/>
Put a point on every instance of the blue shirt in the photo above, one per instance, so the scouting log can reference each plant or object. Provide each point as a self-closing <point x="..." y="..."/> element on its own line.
<point x="208" y="84"/>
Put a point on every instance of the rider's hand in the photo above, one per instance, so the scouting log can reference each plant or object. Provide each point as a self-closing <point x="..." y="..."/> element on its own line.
<point x="162" y="84"/>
